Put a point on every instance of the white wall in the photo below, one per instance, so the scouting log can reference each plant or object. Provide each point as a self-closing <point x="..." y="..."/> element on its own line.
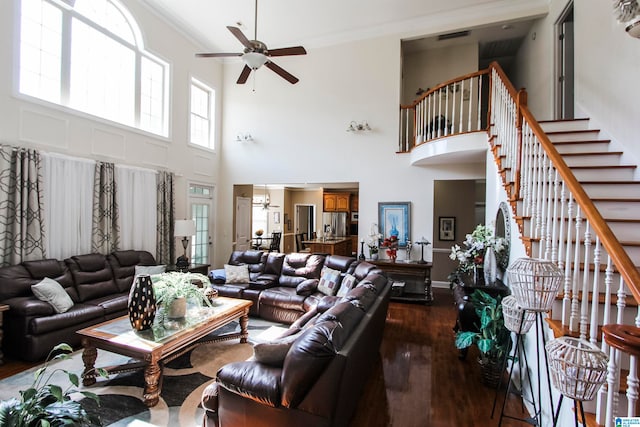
<point x="300" y="133"/>
<point x="607" y="65"/>
<point x="427" y="69"/>
<point x="25" y="122"/>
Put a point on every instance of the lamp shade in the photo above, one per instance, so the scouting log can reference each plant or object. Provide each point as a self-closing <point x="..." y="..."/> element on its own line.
<point x="254" y="60"/>
<point x="184" y="227"/>
<point x="534" y="283"/>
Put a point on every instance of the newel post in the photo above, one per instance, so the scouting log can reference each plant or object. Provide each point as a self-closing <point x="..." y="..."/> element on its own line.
<point x="521" y="101"/>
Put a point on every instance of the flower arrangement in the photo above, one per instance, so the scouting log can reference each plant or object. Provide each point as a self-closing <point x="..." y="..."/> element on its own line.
<point x="476" y="244"/>
<point x="391" y="243"/>
<point x="373" y="239"/>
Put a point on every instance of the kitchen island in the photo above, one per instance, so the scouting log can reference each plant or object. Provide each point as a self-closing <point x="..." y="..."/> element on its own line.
<point x="334" y="246"/>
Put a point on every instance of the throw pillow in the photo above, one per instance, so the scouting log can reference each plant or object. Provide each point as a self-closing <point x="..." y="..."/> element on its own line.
<point x="150" y="269"/>
<point x="347" y="284"/>
<point x="273" y="353"/>
<point x="217" y="276"/>
<point x="48" y="290"/>
<point x="329" y="279"/>
<point x="236" y="273"/>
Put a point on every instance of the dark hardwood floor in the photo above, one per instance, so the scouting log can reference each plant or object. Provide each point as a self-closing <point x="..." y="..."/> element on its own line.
<point x="419" y="380"/>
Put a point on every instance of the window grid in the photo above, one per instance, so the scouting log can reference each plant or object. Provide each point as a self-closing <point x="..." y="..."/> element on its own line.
<point x="200" y="246"/>
<point x="201" y="114"/>
<point x="102" y="77"/>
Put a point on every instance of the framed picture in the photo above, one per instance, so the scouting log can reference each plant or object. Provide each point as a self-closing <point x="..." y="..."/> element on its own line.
<point x="447" y="228"/>
<point x="394" y="218"/>
<point x="354" y="216"/>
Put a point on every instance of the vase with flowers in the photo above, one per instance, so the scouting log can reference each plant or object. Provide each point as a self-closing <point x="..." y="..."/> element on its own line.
<point x="391" y="245"/>
<point x="471" y="258"/>
<point x="373" y="240"/>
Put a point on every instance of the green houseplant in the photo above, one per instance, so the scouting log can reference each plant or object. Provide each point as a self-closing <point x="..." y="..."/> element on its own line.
<point x="492" y="337"/>
<point x="176" y="288"/>
<point x="45" y="404"/>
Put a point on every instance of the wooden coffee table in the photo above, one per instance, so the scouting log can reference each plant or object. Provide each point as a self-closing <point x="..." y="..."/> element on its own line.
<point x="167" y="340"/>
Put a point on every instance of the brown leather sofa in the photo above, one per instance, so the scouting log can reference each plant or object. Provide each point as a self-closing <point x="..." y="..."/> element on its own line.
<point x="97" y="284"/>
<point x="334" y="344"/>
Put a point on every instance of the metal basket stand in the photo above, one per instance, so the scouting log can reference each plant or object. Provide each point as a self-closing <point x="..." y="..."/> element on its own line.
<point x="518" y="321"/>
<point x="578" y="370"/>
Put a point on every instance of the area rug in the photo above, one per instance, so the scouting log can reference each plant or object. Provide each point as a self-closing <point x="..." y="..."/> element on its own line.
<point x="184" y="379"/>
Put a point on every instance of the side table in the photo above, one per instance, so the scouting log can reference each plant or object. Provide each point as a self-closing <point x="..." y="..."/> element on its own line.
<point x="417" y="278"/>
<point x="3" y="308"/>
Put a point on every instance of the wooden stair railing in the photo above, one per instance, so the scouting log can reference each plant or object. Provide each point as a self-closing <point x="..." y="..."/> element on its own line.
<point x="557" y="220"/>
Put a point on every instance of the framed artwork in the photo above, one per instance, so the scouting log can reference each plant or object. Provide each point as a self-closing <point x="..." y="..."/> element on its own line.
<point x="394" y="218"/>
<point x="447" y="228"/>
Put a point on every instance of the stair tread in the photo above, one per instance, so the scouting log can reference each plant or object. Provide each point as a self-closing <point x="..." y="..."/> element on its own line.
<point x="577" y="119"/>
<point x="558" y="132"/>
<point x="604" y="167"/>
<point x="582" y="141"/>
<point x="593" y="153"/>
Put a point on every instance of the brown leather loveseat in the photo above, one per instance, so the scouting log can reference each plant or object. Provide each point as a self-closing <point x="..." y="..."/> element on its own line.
<point x="97" y="284"/>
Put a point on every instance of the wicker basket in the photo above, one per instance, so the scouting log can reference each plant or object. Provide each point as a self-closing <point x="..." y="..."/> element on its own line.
<point x="577" y="367"/>
<point x="512" y="313"/>
<point x="534" y="283"/>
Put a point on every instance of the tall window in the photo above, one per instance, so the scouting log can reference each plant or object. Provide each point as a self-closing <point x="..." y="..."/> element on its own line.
<point x="90" y="57"/>
<point x="201" y="122"/>
<point x="201" y="200"/>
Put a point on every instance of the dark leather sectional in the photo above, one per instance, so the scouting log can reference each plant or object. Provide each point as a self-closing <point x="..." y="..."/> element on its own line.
<point x="98" y="285"/>
<point x="336" y="343"/>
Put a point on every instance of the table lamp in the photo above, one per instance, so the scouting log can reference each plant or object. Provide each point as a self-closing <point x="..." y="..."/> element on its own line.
<point x="422" y="242"/>
<point x="184" y="228"/>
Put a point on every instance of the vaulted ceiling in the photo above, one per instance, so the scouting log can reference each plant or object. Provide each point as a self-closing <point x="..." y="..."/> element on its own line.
<point x="322" y="23"/>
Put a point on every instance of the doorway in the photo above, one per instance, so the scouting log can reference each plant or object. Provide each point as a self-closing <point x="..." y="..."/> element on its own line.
<point x="565" y="64"/>
<point x="201" y="202"/>
<point x="306" y="219"/>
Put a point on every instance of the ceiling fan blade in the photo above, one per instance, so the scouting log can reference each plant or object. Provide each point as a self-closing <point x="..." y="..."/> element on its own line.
<point x="240" y="36"/>
<point x="282" y="72"/>
<point x="286" y="51"/>
<point x="244" y="75"/>
<point x="216" y="55"/>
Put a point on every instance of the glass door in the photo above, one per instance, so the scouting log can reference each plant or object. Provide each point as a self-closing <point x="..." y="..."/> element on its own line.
<point x="201" y="201"/>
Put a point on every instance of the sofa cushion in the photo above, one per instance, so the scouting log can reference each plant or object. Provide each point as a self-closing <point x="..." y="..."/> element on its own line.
<point x="329" y="281"/>
<point x="123" y="264"/>
<point x="307" y="287"/>
<point x="347" y="283"/>
<point x="236" y="273"/>
<point x="149" y="269"/>
<point x="92" y="275"/>
<point x="76" y="315"/>
<point x="15" y="281"/>
<point x="300" y="266"/>
<point x="273" y="352"/>
<point x="284" y="298"/>
<point x="50" y="291"/>
<point x="217" y="276"/>
<point x="256" y="381"/>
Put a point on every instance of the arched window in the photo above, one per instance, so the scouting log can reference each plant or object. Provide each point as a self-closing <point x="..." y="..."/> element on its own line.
<point x="89" y="55"/>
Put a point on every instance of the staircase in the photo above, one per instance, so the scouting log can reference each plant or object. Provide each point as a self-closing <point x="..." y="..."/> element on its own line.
<point x="577" y="204"/>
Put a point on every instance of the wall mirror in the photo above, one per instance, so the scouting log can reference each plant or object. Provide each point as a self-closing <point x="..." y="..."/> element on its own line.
<point x="503" y="229"/>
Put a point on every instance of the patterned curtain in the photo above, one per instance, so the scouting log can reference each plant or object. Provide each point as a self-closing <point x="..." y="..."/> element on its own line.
<point x="21" y="210"/>
<point x="165" y="244"/>
<point x="105" y="230"/>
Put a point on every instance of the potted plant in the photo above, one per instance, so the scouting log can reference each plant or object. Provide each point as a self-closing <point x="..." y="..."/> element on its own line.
<point x="492" y="337"/>
<point x="45" y="404"/>
<point x="373" y="240"/>
<point x="173" y="289"/>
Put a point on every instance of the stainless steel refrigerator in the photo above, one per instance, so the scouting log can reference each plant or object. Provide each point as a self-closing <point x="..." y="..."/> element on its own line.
<point x="334" y="224"/>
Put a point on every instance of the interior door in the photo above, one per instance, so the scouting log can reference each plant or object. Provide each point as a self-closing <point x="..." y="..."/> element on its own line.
<point x="565" y="66"/>
<point x="243" y="223"/>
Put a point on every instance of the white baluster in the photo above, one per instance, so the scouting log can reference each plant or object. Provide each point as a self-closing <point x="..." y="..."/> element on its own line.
<point x="584" y="306"/>
<point x="575" y="303"/>
<point x="595" y="291"/>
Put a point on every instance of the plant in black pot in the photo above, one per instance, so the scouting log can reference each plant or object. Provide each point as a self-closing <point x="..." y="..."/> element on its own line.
<point x="492" y="337"/>
<point x="47" y="404"/>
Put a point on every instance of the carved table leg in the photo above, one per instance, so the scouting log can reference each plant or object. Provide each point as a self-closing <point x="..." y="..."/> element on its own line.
<point x="89" y="355"/>
<point x="244" y="322"/>
<point x="152" y="383"/>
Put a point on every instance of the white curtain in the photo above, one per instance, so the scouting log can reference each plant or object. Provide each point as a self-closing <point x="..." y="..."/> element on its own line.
<point x="68" y="201"/>
<point x="137" y="203"/>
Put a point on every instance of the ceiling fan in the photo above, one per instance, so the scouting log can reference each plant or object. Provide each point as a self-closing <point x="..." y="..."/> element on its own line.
<point x="256" y="54"/>
<point x="264" y="202"/>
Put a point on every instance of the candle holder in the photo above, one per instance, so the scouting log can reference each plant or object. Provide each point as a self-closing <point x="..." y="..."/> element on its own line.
<point x="361" y="257"/>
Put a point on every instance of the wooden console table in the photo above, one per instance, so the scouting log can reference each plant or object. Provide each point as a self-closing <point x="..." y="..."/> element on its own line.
<point x="415" y="290"/>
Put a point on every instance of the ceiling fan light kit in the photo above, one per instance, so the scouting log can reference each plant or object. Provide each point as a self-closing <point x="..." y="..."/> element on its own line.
<point x="256" y="54"/>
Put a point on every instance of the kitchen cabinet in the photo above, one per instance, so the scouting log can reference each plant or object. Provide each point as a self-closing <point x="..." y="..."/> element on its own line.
<point x="336" y="202"/>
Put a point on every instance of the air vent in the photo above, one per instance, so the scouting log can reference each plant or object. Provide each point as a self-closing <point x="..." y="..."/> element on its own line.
<point x="455" y="35"/>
